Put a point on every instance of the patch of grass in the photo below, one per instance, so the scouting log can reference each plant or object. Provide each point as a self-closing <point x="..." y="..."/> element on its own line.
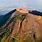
<point x="40" y="40"/>
<point x="28" y="39"/>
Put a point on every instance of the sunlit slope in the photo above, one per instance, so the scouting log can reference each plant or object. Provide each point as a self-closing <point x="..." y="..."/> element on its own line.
<point x="22" y="26"/>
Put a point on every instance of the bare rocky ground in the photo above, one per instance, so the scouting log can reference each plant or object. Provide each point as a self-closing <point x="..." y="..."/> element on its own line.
<point x="24" y="27"/>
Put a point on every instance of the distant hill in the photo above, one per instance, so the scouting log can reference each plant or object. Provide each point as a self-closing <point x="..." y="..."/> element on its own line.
<point x="36" y="12"/>
<point x="4" y="18"/>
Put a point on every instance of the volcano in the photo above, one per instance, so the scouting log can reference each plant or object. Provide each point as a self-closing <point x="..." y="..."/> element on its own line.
<point x="21" y="25"/>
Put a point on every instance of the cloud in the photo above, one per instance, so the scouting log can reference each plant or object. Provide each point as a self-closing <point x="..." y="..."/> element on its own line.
<point x="33" y="4"/>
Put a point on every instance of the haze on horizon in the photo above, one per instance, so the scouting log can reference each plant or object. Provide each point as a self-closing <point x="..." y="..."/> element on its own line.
<point x="29" y="4"/>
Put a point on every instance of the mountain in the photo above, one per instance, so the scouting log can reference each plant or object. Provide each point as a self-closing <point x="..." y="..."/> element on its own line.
<point x="4" y="18"/>
<point x="36" y="13"/>
<point x="19" y="26"/>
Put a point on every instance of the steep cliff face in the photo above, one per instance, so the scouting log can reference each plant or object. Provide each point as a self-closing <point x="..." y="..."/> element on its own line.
<point x="22" y="27"/>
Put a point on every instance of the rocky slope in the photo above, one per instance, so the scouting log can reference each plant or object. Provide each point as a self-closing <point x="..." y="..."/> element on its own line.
<point x="22" y="27"/>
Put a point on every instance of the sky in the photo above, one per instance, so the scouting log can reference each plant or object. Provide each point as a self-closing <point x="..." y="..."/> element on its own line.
<point x="29" y="4"/>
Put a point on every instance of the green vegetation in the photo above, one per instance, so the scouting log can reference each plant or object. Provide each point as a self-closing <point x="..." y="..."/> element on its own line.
<point x="4" y="35"/>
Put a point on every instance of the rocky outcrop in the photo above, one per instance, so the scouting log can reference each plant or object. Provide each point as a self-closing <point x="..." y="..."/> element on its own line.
<point x="23" y="27"/>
